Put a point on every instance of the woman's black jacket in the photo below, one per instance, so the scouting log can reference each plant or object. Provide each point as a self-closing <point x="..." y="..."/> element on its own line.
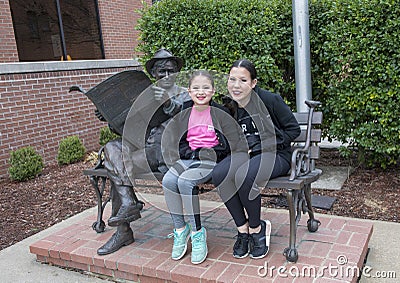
<point x="274" y="119"/>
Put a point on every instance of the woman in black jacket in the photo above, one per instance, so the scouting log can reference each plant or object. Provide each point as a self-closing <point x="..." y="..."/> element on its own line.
<point x="269" y="126"/>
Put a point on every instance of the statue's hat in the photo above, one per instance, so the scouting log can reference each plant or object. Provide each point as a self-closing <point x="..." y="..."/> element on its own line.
<point x="162" y="54"/>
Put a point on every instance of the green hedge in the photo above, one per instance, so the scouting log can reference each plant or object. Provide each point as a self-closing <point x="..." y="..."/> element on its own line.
<point x="356" y="55"/>
<point x="209" y="35"/>
<point x="355" y="50"/>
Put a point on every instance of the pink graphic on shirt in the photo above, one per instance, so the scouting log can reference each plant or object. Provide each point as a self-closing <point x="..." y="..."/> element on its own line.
<point x="201" y="132"/>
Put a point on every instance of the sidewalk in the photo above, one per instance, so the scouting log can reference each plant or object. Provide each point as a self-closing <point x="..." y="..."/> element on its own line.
<point x="384" y="254"/>
<point x="19" y="265"/>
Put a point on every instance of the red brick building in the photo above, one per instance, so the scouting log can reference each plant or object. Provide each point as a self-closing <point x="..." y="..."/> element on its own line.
<point x="35" y="36"/>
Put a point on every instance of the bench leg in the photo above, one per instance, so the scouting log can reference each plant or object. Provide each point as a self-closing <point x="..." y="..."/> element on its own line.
<point x="291" y="252"/>
<point x="312" y="223"/>
<point x="99" y="183"/>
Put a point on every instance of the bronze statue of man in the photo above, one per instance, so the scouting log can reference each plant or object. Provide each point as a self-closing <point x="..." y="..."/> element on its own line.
<point x="125" y="205"/>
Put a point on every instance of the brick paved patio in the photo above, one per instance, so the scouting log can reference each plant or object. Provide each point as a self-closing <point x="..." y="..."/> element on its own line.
<point x="148" y="258"/>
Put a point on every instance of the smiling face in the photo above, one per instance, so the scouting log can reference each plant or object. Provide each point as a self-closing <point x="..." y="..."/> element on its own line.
<point x="201" y="91"/>
<point x="240" y="85"/>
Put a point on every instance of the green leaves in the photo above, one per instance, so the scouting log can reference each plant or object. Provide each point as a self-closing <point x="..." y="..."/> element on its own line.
<point x="107" y="135"/>
<point x="70" y="150"/>
<point x="212" y="34"/>
<point x="25" y="164"/>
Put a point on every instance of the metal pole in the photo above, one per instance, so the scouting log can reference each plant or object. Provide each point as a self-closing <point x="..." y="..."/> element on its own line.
<point x="62" y="37"/>
<point x="103" y="56"/>
<point x="301" y="36"/>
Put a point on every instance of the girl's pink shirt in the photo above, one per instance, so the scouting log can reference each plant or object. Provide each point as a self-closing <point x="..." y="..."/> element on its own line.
<point x="201" y="132"/>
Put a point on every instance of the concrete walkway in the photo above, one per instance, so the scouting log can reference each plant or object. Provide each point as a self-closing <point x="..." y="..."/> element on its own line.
<point x="17" y="264"/>
<point x="384" y="255"/>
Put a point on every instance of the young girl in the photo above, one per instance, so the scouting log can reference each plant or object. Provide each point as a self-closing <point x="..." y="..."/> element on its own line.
<point x="196" y="133"/>
<point x="269" y="126"/>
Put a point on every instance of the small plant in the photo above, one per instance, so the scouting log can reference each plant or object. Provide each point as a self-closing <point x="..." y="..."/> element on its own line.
<point x="107" y="135"/>
<point x="25" y="163"/>
<point x="70" y="150"/>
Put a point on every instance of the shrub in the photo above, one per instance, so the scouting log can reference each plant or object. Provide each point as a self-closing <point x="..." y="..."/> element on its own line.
<point x="208" y="34"/>
<point x="356" y="50"/>
<point x="107" y="135"/>
<point x="25" y="164"/>
<point x="70" y="150"/>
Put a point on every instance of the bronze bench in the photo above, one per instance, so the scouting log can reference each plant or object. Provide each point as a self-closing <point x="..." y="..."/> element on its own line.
<point x="297" y="183"/>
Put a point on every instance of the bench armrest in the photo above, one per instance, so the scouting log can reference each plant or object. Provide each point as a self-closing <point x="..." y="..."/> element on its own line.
<point x="100" y="159"/>
<point x="300" y="163"/>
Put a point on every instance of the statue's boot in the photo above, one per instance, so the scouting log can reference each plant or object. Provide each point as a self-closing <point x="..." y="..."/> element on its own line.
<point x="130" y="206"/>
<point x="122" y="237"/>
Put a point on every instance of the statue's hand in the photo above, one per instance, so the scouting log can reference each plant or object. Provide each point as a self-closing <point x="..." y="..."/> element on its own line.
<point x="99" y="116"/>
<point x="160" y="94"/>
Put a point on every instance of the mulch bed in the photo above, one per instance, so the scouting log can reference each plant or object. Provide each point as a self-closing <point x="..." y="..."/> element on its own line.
<point x="62" y="191"/>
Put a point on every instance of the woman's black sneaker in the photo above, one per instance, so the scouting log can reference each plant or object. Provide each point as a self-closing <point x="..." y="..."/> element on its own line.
<point x="241" y="247"/>
<point x="258" y="241"/>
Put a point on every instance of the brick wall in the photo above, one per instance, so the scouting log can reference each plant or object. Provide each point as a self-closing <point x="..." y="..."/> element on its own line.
<point x="118" y="19"/>
<point x="37" y="110"/>
<point x="8" y="47"/>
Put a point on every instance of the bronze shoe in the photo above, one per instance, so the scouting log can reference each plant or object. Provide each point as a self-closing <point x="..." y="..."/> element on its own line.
<point x="117" y="241"/>
<point x="126" y="214"/>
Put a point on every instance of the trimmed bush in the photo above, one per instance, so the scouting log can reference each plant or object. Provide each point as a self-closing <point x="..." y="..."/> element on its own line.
<point x="25" y="164"/>
<point x="356" y="54"/>
<point x="70" y="150"/>
<point x="211" y="34"/>
<point x="107" y="135"/>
